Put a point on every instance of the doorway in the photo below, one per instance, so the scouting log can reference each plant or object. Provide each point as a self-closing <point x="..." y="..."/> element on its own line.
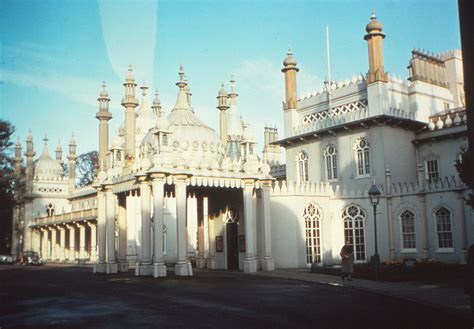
<point x="232" y="246"/>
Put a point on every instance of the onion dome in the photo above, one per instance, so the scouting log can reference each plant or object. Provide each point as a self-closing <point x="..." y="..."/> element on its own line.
<point x="290" y="60"/>
<point x="46" y="168"/>
<point x="374" y="25"/>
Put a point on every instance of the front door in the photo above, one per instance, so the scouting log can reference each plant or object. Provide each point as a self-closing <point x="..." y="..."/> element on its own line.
<point x="232" y="246"/>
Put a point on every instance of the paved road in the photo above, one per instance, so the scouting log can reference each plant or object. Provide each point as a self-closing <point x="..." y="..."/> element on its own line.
<point x="66" y="297"/>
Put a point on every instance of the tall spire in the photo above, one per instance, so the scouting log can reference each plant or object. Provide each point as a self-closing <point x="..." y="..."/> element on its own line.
<point x="222" y="105"/>
<point x="182" y="99"/>
<point x="59" y="152"/>
<point x="156" y="107"/>
<point x="374" y="39"/>
<point x="130" y="103"/>
<point x="290" y="69"/>
<point x="103" y="116"/>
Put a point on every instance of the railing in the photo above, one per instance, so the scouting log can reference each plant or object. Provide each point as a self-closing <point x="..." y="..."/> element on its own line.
<point x="67" y="217"/>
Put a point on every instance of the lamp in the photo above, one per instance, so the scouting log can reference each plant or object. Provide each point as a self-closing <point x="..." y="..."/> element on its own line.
<point x="374" y="195"/>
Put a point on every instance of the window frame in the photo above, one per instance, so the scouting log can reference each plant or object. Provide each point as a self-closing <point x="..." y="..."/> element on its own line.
<point x="450" y="232"/>
<point x="330" y="163"/>
<point x="362" y="157"/>
<point x="302" y="166"/>
<point x="403" y="248"/>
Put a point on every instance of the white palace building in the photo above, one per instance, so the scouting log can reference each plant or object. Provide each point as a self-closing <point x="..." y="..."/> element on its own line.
<point x="170" y="191"/>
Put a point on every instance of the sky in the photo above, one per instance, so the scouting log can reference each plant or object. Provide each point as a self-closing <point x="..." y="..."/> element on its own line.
<point x="55" y="54"/>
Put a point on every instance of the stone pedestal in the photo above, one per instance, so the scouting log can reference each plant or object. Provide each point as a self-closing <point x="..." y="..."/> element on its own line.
<point x="250" y="265"/>
<point x="268" y="264"/>
<point x="159" y="270"/>
<point x="211" y="264"/>
<point x="111" y="268"/>
<point x="201" y="262"/>
<point x="122" y="267"/>
<point x="99" y="268"/>
<point x="144" y="270"/>
<point x="183" y="269"/>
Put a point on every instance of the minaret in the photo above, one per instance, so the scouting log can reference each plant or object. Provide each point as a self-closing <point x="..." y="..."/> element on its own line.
<point x="72" y="164"/>
<point x="290" y="69"/>
<point x="130" y="103"/>
<point x="182" y="98"/>
<point x="59" y="153"/>
<point x="290" y="117"/>
<point x="17" y="169"/>
<point x="156" y="107"/>
<point x="30" y="153"/>
<point x="374" y="39"/>
<point x="223" y="106"/>
<point x="103" y="116"/>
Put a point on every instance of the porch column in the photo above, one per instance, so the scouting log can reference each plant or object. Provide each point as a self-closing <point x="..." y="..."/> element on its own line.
<point x="205" y="214"/>
<point x="191" y="225"/>
<point x="267" y="261"/>
<point x="211" y="262"/>
<point x="200" y="261"/>
<point x="145" y="266"/>
<point x="82" y="241"/>
<point x="101" y="232"/>
<point x="250" y="262"/>
<point x="53" y="243"/>
<point x="111" y="266"/>
<point x="122" y="230"/>
<point x="72" y="243"/>
<point x="183" y="267"/>
<point x="44" y="244"/>
<point x="62" y="243"/>
<point x="93" y="237"/>
<point x="157" y="185"/>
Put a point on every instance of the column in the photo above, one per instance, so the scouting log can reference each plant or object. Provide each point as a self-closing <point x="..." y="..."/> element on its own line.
<point x="62" y="243"/>
<point x="205" y="214"/>
<point x="93" y="237"/>
<point x="145" y="265"/>
<point x="191" y="221"/>
<point x="53" y="244"/>
<point x="462" y="224"/>
<point x="183" y="267"/>
<point x="200" y="261"/>
<point x="82" y="241"/>
<point x="111" y="265"/>
<point x="424" y="233"/>
<point x="250" y="262"/>
<point x="101" y="237"/>
<point x="44" y="244"/>
<point x="157" y="185"/>
<point x="122" y="230"/>
<point x="211" y="262"/>
<point x="267" y="261"/>
<point x="72" y="243"/>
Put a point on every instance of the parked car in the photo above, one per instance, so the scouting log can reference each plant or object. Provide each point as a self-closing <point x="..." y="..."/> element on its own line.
<point x="30" y="258"/>
<point x="6" y="259"/>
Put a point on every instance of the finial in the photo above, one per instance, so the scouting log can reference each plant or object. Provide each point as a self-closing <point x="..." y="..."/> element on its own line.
<point x="144" y="88"/>
<point x="130" y="77"/>
<point x="232" y="84"/>
<point x="289" y="53"/>
<point x="373" y="16"/>
<point x="181" y="72"/>
<point x="156" y="101"/>
<point x="72" y="140"/>
<point x="45" y="139"/>
<point x="104" y="93"/>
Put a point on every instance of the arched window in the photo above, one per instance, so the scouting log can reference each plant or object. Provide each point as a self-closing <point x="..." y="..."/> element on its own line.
<point x="302" y="166"/>
<point x="361" y="148"/>
<point x="407" y="219"/>
<point x="443" y="228"/>
<point x="353" y="217"/>
<point x="330" y="156"/>
<point x="312" y="218"/>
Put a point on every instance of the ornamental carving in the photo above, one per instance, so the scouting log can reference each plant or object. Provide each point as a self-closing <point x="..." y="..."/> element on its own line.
<point x="359" y="105"/>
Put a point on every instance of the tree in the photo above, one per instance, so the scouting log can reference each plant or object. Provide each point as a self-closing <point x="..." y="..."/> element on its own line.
<point x="464" y="167"/>
<point x="86" y="165"/>
<point x="6" y="185"/>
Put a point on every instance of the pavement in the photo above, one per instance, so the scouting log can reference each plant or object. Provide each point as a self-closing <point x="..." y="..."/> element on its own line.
<point x="447" y="295"/>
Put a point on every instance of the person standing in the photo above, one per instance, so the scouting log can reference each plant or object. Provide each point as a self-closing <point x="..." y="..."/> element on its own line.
<point x="469" y="279"/>
<point x="347" y="262"/>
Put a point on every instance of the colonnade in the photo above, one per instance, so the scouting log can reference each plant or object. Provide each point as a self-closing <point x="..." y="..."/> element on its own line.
<point x="66" y="242"/>
<point x="151" y="258"/>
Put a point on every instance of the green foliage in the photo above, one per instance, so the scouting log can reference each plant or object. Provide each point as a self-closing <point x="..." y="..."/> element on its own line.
<point x="464" y="167"/>
<point x="86" y="165"/>
<point x="6" y="184"/>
